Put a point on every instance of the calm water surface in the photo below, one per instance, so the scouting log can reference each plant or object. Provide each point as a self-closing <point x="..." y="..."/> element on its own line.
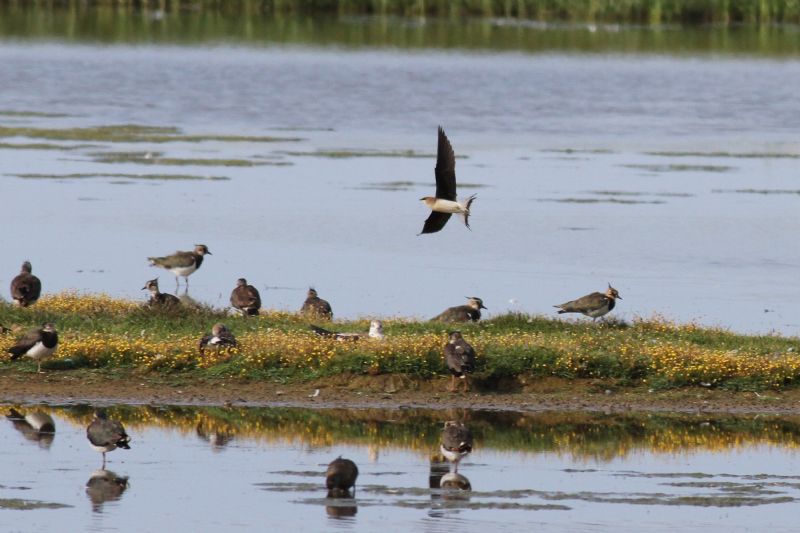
<point x="588" y="170"/>
<point x="246" y="469"/>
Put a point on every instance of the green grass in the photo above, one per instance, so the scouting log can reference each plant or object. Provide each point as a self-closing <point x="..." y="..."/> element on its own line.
<point x="98" y="332"/>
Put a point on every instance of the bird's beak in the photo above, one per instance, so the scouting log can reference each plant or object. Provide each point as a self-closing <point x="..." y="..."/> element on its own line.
<point x="618" y="296"/>
<point x="143" y="288"/>
<point x="484" y="307"/>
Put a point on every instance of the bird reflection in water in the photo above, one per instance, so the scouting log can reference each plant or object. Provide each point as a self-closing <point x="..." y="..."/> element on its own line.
<point x="217" y="437"/>
<point x="35" y="426"/>
<point x="340" y="480"/>
<point x="105" y="486"/>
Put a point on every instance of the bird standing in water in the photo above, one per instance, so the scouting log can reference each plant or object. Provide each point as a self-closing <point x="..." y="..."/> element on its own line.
<point x="106" y="435"/>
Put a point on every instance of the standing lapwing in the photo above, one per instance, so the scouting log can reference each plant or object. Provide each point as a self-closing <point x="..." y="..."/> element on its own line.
<point x="445" y="203"/>
<point x="182" y="264"/>
<point x="159" y="299"/>
<point x="456" y="442"/>
<point x="106" y="435"/>
<point x="460" y="359"/>
<point x="25" y="287"/>
<point x="593" y="305"/>
<point x="375" y="332"/>
<point x="220" y="337"/>
<point x="38" y="344"/>
<point x="341" y="477"/>
<point x="246" y="298"/>
<point x="463" y="313"/>
<point x="316" y="307"/>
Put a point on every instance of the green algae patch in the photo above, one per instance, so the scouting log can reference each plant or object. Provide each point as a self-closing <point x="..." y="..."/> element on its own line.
<point x="736" y="155"/>
<point x="130" y="133"/>
<point x="31" y="114"/>
<point x="680" y="168"/>
<point x="29" y="505"/>
<point x="157" y="158"/>
<point x="347" y="154"/>
<point x="157" y="177"/>
<point x="44" y="146"/>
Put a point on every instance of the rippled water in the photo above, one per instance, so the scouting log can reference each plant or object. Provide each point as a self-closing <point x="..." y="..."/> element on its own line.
<point x="672" y="178"/>
<point x="247" y="469"/>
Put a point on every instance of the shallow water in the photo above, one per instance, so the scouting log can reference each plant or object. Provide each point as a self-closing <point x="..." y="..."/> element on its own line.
<point x="240" y="468"/>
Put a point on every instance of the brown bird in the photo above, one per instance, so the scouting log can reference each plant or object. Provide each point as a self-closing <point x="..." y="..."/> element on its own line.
<point x="25" y="287"/>
<point x="460" y="359"/>
<point x="462" y="313"/>
<point x="182" y="264"/>
<point x="246" y="298"/>
<point x="160" y="299"/>
<point x="316" y="307"/>
<point x="38" y="344"/>
<point x="340" y="478"/>
<point x="106" y="435"/>
<point x="444" y="203"/>
<point x="456" y="442"/>
<point x="593" y="305"/>
<point x="220" y="337"/>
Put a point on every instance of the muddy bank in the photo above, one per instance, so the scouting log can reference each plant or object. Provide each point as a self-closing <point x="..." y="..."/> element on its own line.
<point x="386" y="391"/>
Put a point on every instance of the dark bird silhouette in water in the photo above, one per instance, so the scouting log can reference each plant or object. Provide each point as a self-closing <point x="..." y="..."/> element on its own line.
<point x="340" y="478"/>
<point x="445" y="203"/>
<point x="106" y="435"/>
<point x="456" y="442"/>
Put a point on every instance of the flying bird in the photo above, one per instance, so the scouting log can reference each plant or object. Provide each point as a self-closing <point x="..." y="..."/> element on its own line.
<point x="38" y="344"/>
<point x="592" y="305"/>
<point x="456" y="442"/>
<point x="25" y="287"/>
<point x="445" y="202"/>
<point x="459" y="356"/>
<point x="182" y="264"/>
<point x="340" y="478"/>
<point x="106" y="435"/>
<point x="314" y="306"/>
<point x="246" y="298"/>
<point x="462" y="313"/>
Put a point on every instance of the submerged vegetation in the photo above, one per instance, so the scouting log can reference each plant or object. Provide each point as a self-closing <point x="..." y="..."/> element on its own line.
<point x="97" y="331"/>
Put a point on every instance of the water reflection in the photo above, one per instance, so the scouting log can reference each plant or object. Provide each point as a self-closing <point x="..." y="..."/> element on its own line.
<point x="105" y="486"/>
<point x="36" y="426"/>
<point x="581" y="435"/>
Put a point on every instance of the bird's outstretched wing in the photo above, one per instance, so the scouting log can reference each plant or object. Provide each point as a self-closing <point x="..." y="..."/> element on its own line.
<point x="435" y="222"/>
<point x="445" y="169"/>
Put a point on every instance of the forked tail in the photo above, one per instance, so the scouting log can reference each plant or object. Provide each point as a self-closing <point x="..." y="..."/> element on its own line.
<point x="466" y="205"/>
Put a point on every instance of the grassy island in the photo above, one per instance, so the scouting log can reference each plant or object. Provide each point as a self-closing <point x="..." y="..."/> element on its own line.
<point x="100" y="332"/>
